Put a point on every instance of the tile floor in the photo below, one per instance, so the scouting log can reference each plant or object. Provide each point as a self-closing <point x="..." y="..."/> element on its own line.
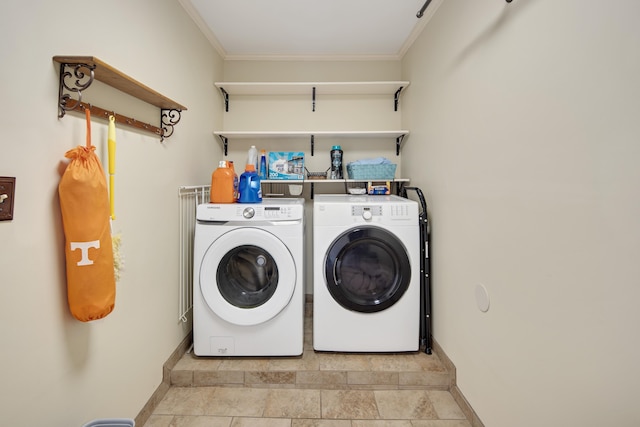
<point x="312" y="390"/>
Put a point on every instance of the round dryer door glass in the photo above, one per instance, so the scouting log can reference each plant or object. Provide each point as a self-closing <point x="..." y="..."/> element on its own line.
<point x="247" y="276"/>
<point x="367" y="269"/>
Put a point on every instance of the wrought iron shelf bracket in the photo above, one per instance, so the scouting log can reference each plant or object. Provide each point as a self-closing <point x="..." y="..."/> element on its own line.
<point x="225" y="143"/>
<point x="398" y="144"/>
<point x="313" y="99"/>
<point x="396" y="98"/>
<point x="77" y="73"/>
<point x="225" y="95"/>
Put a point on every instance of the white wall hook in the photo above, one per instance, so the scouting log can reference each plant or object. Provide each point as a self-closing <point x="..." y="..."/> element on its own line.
<point x="2" y="197"/>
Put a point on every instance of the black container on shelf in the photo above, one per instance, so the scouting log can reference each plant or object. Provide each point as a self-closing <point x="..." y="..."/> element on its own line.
<point x="336" y="163"/>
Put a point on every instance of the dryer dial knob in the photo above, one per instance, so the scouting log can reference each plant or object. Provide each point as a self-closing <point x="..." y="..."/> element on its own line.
<point x="367" y="215"/>
<point x="248" y="213"/>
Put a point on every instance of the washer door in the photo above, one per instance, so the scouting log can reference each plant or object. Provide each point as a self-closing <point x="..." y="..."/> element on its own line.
<point x="247" y="276"/>
<point x="367" y="269"/>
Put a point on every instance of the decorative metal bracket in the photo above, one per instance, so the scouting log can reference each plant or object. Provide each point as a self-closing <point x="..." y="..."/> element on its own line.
<point x="312" y="144"/>
<point x="168" y="119"/>
<point x="75" y="81"/>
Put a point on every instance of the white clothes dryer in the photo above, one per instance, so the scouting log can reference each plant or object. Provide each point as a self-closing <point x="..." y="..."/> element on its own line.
<point x="366" y="270"/>
<point x="248" y="291"/>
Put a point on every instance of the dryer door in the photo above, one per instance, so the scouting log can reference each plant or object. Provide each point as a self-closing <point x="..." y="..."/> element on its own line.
<point x="247" y="276"/>
<point x="367" y="269"/>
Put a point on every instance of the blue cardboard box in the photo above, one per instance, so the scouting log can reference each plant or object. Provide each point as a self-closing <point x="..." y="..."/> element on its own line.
<point x="286" y="165"/>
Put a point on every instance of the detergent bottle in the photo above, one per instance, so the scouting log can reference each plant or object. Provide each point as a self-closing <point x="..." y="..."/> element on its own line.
<point x="249" y="186"/>
<point x="336" y="163"/>
<point x="222" y="184"/>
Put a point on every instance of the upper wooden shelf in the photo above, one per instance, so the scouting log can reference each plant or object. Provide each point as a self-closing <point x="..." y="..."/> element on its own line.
<point x="302" y="88"/>
<point x="393" y="88"/>
<point x="78" y="72"/>
<point x="107" y="74"/>
<point x="306" y="133"/>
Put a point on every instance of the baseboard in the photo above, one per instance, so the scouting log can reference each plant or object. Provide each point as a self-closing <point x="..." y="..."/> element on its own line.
<point x="162" y="389"/>
<point x="454" y="390"/>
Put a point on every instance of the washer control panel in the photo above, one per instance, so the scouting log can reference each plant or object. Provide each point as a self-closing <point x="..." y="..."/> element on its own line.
<point x="266" y="212"/>
<point x="269" y="210"/>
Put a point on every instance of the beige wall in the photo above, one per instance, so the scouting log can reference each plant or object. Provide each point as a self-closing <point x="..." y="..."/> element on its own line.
<point x="58" y="371"/>
<point x="525" y="130"/>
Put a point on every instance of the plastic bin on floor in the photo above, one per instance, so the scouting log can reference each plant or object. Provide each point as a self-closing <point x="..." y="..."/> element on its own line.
<point x="111" y="422"/>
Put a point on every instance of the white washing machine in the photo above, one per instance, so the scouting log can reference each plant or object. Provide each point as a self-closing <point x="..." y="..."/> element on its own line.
<point x="366" y="270"/>
<point x="248" y="293"/>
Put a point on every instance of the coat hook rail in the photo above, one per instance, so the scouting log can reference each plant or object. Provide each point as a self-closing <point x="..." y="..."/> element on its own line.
<point x="124" y="120"/>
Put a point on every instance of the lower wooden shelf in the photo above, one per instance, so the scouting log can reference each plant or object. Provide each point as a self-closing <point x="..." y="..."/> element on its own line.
<point x="395" y="184"/>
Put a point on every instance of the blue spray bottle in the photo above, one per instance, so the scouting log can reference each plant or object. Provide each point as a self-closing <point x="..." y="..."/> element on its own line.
<point x="263" y="165"/>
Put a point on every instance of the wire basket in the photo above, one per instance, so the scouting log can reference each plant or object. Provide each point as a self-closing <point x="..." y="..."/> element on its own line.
<point x="373" y="172"/>
<point x="316" y="175"/>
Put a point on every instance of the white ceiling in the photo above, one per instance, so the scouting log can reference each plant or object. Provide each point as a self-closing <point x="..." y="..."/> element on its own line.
<point x="313" y="29"/>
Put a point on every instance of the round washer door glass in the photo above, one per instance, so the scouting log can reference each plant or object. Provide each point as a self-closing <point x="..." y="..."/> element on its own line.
<point x="367" y="269"/>
<point x="247" y="276"/>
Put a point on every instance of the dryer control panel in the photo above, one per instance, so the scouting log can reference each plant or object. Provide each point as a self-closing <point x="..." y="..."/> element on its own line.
<point x="368" y="211"/>
<point x="359" y="210"/>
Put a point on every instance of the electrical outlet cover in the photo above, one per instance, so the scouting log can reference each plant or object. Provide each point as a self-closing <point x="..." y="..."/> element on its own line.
<point x="7" y="195"/>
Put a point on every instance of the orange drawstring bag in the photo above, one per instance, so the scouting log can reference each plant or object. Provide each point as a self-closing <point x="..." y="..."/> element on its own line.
<point x="84" y="202"/>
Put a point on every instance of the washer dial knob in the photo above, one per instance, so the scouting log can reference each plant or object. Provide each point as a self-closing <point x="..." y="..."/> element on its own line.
<point x="248" y="213"/>
<point x="367" y="215"/>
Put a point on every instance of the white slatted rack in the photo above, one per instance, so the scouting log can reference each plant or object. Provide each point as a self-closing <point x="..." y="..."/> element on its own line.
<point x="190" y="198"/>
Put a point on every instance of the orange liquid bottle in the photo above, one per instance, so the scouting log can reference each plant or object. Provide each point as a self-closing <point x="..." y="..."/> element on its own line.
<point x="222" y="184"/>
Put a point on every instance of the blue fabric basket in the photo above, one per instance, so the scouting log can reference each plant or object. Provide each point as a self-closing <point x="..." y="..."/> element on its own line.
<point x="377" y="172"/>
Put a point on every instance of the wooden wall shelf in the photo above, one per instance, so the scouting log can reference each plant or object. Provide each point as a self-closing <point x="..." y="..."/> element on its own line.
<point x="393" y="88"/>
<point x="78" y="72"/>
<point x="397" y="135"/>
